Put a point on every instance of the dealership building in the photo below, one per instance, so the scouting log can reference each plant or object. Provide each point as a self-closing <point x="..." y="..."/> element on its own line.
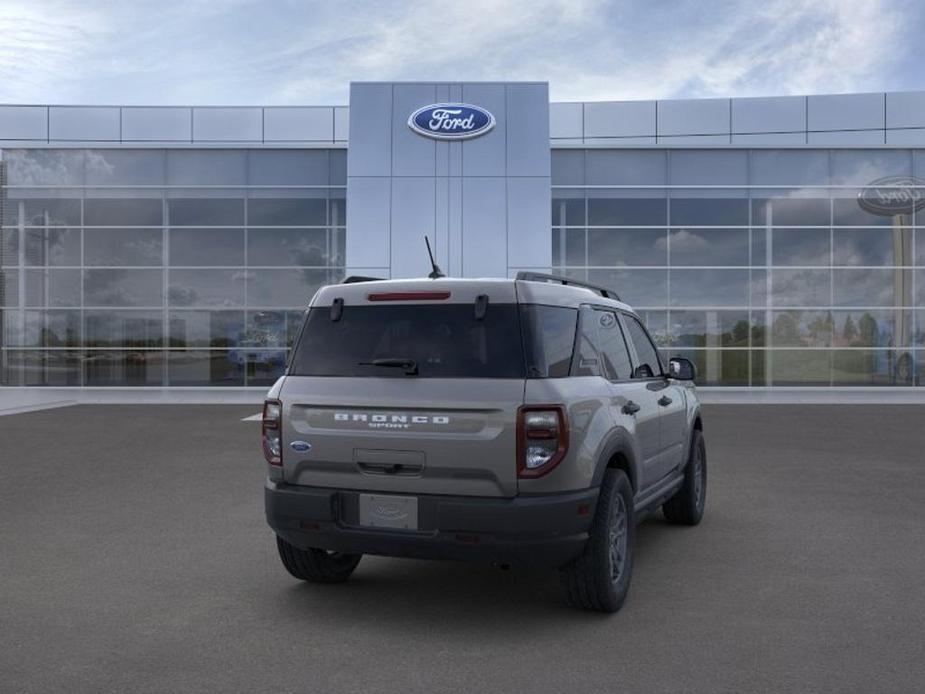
<point x="773" y="241"/>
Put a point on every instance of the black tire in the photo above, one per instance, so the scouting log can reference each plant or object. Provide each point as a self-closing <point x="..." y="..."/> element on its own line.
<point x="686" y="506"/>
<point x="600" y="579"/>
<point x="317" y="565"/>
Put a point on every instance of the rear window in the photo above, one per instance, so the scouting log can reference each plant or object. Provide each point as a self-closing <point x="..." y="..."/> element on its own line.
<point x="445" y="341"/>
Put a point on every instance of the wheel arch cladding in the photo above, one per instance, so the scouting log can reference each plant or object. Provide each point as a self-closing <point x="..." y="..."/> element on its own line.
<point x="618" y="454"/>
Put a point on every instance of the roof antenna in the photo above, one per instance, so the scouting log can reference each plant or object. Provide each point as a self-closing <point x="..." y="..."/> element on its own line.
<point x="436" y="272"/>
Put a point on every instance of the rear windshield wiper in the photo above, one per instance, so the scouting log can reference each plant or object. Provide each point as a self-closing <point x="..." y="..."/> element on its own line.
<point x="409" y="365"/>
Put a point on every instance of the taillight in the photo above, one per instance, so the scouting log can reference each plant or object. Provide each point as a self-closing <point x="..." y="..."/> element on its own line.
<point x="542" y="439"/>
<point x="271" y="432"/>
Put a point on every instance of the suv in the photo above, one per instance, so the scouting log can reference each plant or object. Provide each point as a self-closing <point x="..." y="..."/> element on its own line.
<point x="526" y="421"/>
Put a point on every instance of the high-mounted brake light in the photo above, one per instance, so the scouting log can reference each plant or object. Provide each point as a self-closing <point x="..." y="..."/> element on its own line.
<point x="542" y="439"/>
<point x="408" y="296"/>
<point x="271" y="432"/>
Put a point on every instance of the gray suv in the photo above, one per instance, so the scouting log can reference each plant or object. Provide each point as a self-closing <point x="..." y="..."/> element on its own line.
<point x="528" y="421"/>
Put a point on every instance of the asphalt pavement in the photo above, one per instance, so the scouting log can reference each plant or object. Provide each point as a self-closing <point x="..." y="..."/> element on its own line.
<point x="134" y="557"/>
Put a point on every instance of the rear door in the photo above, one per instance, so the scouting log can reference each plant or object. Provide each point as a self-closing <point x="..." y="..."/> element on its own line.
<point x="444" y="426"/>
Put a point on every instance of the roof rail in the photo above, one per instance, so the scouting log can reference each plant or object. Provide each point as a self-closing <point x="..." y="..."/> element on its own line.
<point x="556" y="279"/>
<point x="353" y="279"/>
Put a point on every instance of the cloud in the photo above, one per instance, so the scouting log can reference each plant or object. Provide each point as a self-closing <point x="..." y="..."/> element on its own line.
<point x="250" y="52"/>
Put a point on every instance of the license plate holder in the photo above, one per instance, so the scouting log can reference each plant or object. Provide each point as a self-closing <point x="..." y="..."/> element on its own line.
<point x="389" y="511"/>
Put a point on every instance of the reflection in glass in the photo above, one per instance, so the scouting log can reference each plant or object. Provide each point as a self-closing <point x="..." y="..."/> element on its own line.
<point x="727" y="367"/>
<point x="129" y="368"/>
<point x="802" y="247"/>
<point x="801" y="329"/>
<point x="137" y="211"/>
<point x="123" y="247"/>
<point x="872" y="287"/>
<point x="801" y="287"/>
<point x="43" y="212"/>
<point x="273" y="328"/>
<point x="114" y="328"/>
<point x="287" y="212"/>
<point x="847" y="212"/>
<point x="872" y="247"/>
<point x="43" y="368"/>
<point x="794" y="367"/>
<point x="709" y="287"/>
<point x="706" y="211"/>
<point x="52" y="288"/>
<point x="790" y="211"/>
<point x="44" y="167"/>
<point x="284" y="288"/>
<point x="299" y="247"/>
<point x="635" y="287"/>
<point x="218" y="288"/>
<point x="120" y="287"/>
<point x="214" y="212"/>
<point x="204" y="368"/>
<point x="122" y="167"/>
<point x="883" y="367"/>
<point x="709" y="328"/>
<point x="708" y="246"/>
<point x="620" y="247"/>
<point x="52" y="246"/>
<point x="204" y="247"/>
<point x="568" y="212"/>
<point x="607" y="211"/>
<point x="52" y="329"/>
<point x="206" y="328"/>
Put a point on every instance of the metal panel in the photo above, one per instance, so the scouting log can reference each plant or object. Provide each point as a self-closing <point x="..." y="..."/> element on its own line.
<point x="227" y="124"/>
<point x="693" y="140"/>
<point x="910" y="136"/>
<point x="84" y="123"/>
<point x="845" y="111"/>
<point x="528" y="236"/>
<point x="153" y="124"/>
<point x="847" y="137"/>
<point x="370" y="151"/>
<point x="413" y="211"/>
<point x="619" y="141"/>
<point x="565" y="120"/>
<point x="527" y="120"/>
<point x="770" y="139"/>
<point x="23" y="123"/>
<point x="368" y="212"/>
<point x="412" y="154"/>
<point x="484" y="223"/>
<point x="298" y="124"/>
<point x="905" y="110"/>
<point x="693" y="117"/>
<point x="341" y="123"/>
<point x="620" y="119"/>
<point x="486" y="155"/>
<point x="782" y="114"/>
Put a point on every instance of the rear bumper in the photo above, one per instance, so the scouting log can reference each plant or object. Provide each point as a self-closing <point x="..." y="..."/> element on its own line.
<point x="544" y="530"/>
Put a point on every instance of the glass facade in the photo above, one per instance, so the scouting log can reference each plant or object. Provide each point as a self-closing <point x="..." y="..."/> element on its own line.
<point x="761" y="265"/>
<point x="153" y="267"/>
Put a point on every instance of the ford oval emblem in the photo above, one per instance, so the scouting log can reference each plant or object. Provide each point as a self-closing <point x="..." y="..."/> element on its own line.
<point x="451" y="121"/>
<point x="893" y="195"/>
<point x="300" y="446"/>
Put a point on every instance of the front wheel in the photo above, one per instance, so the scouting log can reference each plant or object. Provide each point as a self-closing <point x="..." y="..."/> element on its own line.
<point x="600" y="578"/>
<point x="316" y="565"/>
<point x="686" y="506"/>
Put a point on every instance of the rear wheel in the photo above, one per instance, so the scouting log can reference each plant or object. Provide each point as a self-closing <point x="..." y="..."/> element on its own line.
<point x="600" y="578"/>
<point x="686" y="506"/>
<point x="317" y="565"/>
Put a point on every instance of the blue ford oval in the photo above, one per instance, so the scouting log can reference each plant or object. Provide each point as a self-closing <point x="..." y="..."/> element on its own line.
<point x="300" y="446"/>
<point x="451" y="121"/>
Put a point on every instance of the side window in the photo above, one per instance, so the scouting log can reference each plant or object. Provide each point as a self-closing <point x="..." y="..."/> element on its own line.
<point x="588" y="361"/>
<point x="616" y="357"/>
<point x="645" y="350"/>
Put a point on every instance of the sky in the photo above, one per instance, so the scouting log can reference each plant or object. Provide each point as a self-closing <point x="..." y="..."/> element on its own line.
<point x="277" y="52"/>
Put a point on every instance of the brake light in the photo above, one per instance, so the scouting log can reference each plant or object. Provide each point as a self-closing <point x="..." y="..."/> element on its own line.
<point x="271" y="432"/>
<point x="542" y="439"/>
<point x="408" y="296"/>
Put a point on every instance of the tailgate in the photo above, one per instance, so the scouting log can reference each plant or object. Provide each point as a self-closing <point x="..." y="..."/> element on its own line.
<point x="453" y="436"/>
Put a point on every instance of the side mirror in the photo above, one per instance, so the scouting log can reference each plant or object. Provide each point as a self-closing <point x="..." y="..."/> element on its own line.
<point x="682" y="369"/>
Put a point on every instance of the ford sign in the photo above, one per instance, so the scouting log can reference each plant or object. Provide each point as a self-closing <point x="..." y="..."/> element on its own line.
<point x="893" y="195"/>
<point x="451" y="121"/>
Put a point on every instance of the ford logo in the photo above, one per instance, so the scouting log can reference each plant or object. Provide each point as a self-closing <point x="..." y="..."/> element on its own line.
<point x="451" y="121"/>
<point x="300" y="446"/>
<point x="893" y="195"/>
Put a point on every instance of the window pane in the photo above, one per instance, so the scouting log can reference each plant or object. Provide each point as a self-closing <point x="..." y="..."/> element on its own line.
<point x="273" y="328"/>
<point x="125" y="167"/>
<point x="786" y="167"/>
<point x="708" y="246"/>
<point x="801" y="287"/>
<point x="709" y="167"/>
<point x="646" y="353"/>
<point x="41" y="212"/>
<point x="616" y="247"/>
<point x="289" y="247"/>
<point x="626" y="167"/>
<point x="206" y="167"/>
<point x="861" y="367"/>
<point x="124" y="328"/>
<point x="138" y="368"/>
<point x="284" y="288"/>
<point x="44" y="167"/>
<point x="123" y="247"/>
<point x="801" y="328"/>
<point x="288" y="167"/>
<point x="588" y="359"/>
<point x="568" y="167"/>
<point x="204" y="247"/>
<point x="627" y="211"/>
<point x="798" y="367"/>
<point x="709" y="328"/>
<point x="568" y="211"/>
<point x="635" y="287"/>
<point x="123" y="287"/>
<point x="549" y="334"/>
<point x="709" y="211"/>
<point x="53" y="287"/>
<point x="213" y="212"/>
<point x="874" y="287"/>
<point x="262" y="367"/>
<point x="206" y="328"/>
<point x="862" y="166"/>
<point x="791" y="212"/>
<point x="52" y="329"/>
<point x="213" y="368"/>
<point x="9" y="247"/>
<point x="287" y="212"/>
<point x="709" y="287"/>
<point x="206" y="288"/>
<point x="872" y="247"/>
<point x="52" y="246"/>
<point x="617" y="365"/>
<point x="727" y="367"/>
<point x="141" y="212"/>
<point x="873" y="328"/>
<point x="805" y="247"/>
<point x="847" y="212"/>
<point x="37" y="368"/>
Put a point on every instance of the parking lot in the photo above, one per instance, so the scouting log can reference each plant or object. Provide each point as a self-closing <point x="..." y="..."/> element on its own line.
<point x="134" y="557"/>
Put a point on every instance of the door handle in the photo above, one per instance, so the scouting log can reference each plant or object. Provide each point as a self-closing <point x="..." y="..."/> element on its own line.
<point x="631" y="408"/>
<point x="664" y="401"/>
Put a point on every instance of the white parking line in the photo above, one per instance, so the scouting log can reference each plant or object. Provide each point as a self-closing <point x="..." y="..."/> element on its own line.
<point x="253" y="418"/>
